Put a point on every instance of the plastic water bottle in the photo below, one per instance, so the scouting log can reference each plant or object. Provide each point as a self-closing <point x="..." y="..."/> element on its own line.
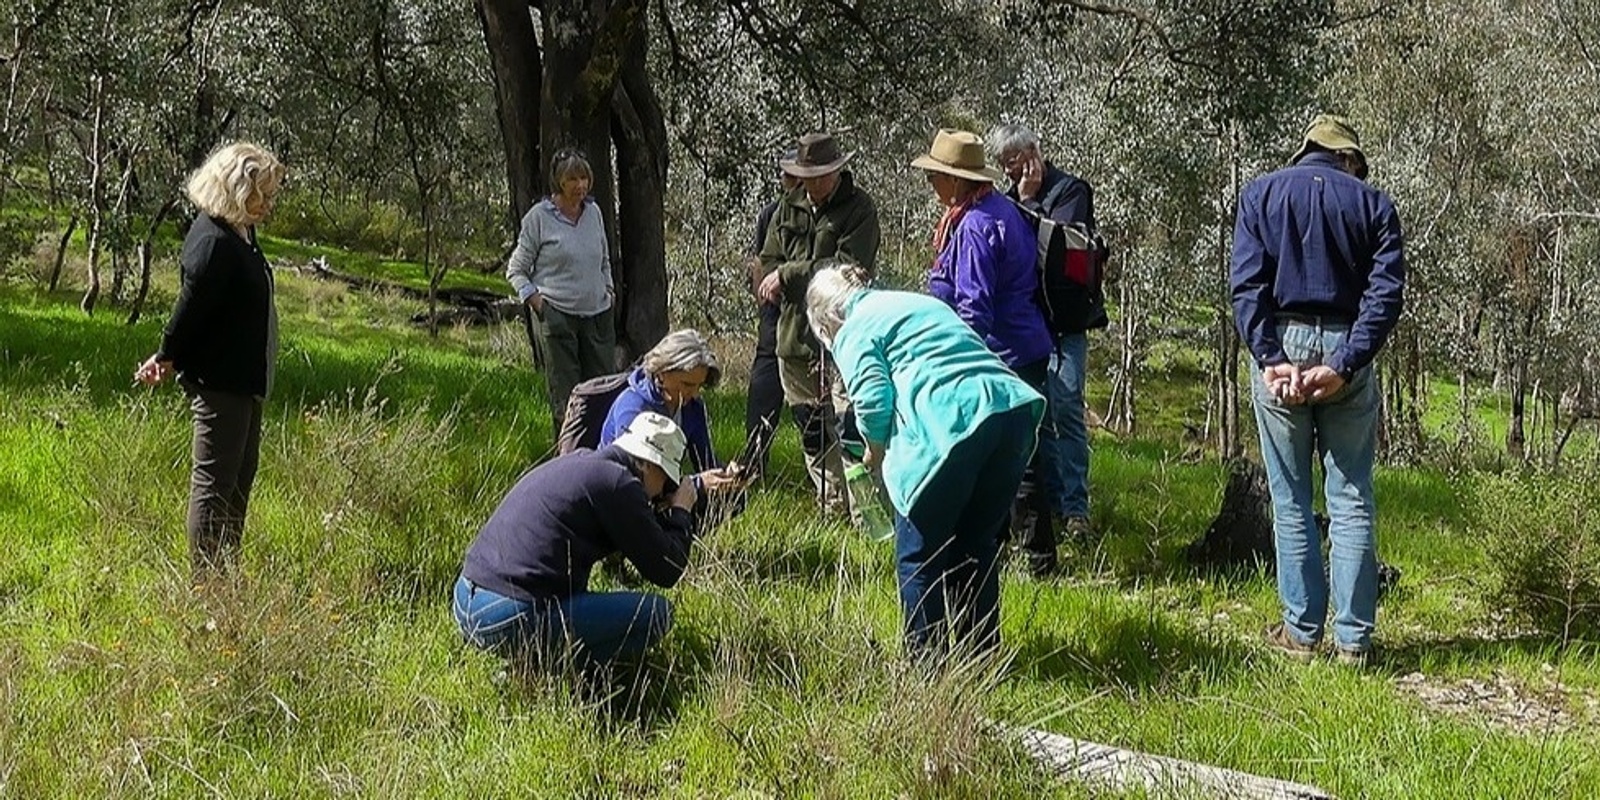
<point x="876" y="521"/>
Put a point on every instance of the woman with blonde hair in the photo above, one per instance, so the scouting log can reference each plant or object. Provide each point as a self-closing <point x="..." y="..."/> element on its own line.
<point x="222" y="342"/>
<point x="951" y="430"/>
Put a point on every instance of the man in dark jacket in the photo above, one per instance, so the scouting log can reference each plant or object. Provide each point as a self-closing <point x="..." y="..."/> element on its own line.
<point x="827" y="217"/>
<point x="1318" y="283"/>
<point x="524" y="586"/>
<point x="1047" y="191"/>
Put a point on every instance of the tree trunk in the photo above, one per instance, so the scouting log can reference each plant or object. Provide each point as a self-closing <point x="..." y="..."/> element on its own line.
<point x="514" y="59"/>
<point x="641" y="137"/>
<point x="61" y="251"/>
<point x="1231" y="444"/>
<point x="145" y="247"/>
<point x="96" y="203"/>
<point x="1121" y="414"/>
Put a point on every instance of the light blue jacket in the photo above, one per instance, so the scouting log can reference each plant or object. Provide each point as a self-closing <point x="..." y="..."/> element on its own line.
<point x="921" y="382"/>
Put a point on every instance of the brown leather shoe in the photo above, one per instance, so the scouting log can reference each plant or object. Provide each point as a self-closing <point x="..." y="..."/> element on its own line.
<point x="1279" y="638"/>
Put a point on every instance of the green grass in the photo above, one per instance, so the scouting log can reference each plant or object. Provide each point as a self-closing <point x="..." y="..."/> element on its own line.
<point x="333" y="668"/>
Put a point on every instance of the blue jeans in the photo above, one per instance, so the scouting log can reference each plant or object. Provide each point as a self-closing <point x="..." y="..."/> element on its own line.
<point x="1064" y="438"/>
<point x="1344" y="428"/>
<point x="946" y="546"/>
<point x="596" y="627"/>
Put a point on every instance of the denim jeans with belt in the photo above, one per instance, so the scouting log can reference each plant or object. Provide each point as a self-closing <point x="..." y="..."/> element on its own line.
<point x="593" y="626"/>
<point x="1343" y="429"/>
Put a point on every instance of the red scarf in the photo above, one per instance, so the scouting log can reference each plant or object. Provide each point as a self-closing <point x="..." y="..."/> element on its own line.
<point x="952" y="217"/>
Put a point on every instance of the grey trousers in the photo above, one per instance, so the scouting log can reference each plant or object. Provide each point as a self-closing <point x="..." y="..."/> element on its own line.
<point x="227" y="448"/>
<point x="815" y="394"/>
<point x="575" y="350"/>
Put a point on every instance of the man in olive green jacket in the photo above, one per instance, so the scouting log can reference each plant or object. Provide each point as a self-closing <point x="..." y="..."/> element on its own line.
<point x="827" y="218"/>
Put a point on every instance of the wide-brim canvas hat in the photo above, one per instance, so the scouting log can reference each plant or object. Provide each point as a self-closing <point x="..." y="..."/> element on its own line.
<point x="958" y="153"/>
<point x="656" y="439"/>
<point x="1330" y="133"/>
<point x="816" y="155"/>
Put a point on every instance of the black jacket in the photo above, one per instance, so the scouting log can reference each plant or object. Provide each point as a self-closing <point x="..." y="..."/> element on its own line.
<point x="563" y="516"/>
<point x="217" y="336"/>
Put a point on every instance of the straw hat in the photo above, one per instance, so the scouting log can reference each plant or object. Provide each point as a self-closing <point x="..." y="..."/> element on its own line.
<point x="958" y="153"/>
<point x="657" y="440"/>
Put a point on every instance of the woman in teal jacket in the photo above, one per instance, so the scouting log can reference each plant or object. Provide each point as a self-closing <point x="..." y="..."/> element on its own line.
<point x="951" y="429"/>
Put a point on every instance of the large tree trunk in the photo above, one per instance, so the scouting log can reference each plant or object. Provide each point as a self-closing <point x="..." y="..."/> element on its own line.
<point x="515" y="61"/>
<point x="640" y="133"/>
<point x="589" y="46"/>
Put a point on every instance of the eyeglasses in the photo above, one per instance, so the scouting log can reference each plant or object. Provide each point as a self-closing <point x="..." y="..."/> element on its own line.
<point x="567" y="154"/>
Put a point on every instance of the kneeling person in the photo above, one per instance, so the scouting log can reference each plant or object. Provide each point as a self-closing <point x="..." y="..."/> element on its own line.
<point x="524" y="587"/>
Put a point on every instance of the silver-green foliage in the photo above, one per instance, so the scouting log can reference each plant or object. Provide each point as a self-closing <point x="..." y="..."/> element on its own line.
<point x="1542" y="533"/>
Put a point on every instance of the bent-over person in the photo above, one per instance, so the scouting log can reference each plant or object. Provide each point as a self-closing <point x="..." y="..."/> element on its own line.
<point x="524" y="585"/>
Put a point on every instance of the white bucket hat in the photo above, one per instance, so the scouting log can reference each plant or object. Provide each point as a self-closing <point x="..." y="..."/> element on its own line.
<point x="657" y="440"/>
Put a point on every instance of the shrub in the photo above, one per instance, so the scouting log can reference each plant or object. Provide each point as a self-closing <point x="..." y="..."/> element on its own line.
<point x="1542" y="533"/>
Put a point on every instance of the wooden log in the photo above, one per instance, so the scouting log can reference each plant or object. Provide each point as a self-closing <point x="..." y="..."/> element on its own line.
<point x="1115" y="769"/>
<point x="471" y="306"/>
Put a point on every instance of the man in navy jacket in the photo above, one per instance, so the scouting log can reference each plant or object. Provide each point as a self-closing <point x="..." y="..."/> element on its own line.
<point x="1048" y="191"/>
<point x="1318" y="281"/>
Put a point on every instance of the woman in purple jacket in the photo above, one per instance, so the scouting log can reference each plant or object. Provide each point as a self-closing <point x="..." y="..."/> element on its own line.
<point x="984" y="268"/>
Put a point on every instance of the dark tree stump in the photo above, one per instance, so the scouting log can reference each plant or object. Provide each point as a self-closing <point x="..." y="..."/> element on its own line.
<point x="1240" y="536"/>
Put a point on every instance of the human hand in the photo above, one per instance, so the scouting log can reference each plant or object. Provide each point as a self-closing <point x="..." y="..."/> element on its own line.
<point x="771" y="288"/>
<point x="752" y="271"/>
<point x="536" y="302"/>
<point x="686" y="494"/>
<point x="714" y="481"/>
<point x="1320" y="383"/>
<point x="871" y="456"/>
<point x="1032" y="176"/>
<point x="152" y="372"/>
<point x="1283" y="381"/>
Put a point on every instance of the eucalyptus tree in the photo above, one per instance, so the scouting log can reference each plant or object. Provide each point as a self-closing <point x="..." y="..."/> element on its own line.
<point x="1167" y="106"/>
<point x="118" y="74"/>
<point x="1482" y="131"/>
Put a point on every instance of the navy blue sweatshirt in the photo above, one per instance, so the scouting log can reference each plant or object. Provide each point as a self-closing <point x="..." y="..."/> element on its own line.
<point x="566" y="514"/>
<point x="1313" y="239"/>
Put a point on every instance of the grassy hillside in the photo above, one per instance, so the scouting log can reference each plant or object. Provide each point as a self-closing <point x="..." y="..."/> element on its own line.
<point x="333" y="668"/>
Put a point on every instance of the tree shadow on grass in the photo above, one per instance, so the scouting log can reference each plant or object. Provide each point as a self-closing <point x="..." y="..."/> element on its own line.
<point x="1129" y="653"/>
<point x="1478" y="652"/>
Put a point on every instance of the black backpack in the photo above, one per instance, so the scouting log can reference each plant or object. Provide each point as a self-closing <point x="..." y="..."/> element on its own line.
<point x="1071" y="261"/>
<point x="587" y="408"/>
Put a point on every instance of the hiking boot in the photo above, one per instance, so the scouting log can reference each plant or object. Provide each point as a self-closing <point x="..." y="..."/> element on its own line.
<point x="1360" y="659"/>
<point x="1278" y="638"/>
<point x="1077" y="530"/>
<point x="1042" y="566"/>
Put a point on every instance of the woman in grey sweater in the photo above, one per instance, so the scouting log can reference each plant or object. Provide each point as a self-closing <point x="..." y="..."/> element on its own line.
<point x="561" y="268"/>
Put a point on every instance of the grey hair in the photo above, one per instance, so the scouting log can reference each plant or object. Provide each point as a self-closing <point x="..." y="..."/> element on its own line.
<point x="832" y="286"/>
<point x="681" y="351"/>
<point x="1009" y="137"/>
<point x="568" y="161"/>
